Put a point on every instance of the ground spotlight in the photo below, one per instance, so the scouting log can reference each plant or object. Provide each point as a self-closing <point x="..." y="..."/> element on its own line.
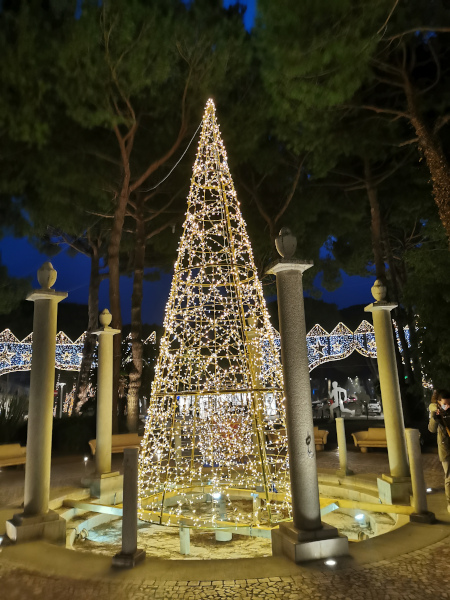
<point x="330" y="562"/>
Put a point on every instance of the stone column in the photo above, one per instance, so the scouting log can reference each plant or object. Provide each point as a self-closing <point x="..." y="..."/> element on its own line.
<point x="421" y="513"/>
<point x="105" y="483"/>
<point x="130" y="554"/>
<point x="306" y="538"/>
<point x="185" y="539"/>
<point x="342" y="445"/>
<point x="394" y="487"/>
<point x="37" y="521"/>
<point x="104" y="393"/>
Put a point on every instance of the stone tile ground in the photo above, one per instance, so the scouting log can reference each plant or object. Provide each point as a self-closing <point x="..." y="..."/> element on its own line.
<point x="418" y="575"/>
<point x="423" y="574"/>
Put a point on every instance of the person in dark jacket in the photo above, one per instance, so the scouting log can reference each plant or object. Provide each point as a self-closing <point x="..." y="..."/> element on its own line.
<point x="440" y="423"/>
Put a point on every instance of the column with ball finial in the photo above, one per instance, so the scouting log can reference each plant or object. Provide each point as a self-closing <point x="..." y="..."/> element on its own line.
<point x="104" y="393"/>
<point x="395" y="486"/>
<point x="104" y="484"/>
<point x="37" y="521"/>
<point x="306" y="537"/>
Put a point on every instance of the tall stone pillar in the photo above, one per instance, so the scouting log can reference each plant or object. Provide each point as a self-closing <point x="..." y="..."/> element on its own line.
<point x="306" y="537"/>
<point x="37" y="521"/>
<point x="395" y="486"/>
<point x="105" y="483"/>
<point x="421" y="513"/>
<point x="130" y="554"/>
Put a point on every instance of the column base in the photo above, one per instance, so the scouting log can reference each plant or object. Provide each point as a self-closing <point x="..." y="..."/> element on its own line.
<point x="23" y="528"/>
<point x="185" y="540"/>
<point x="427" y="517"/>
<point x="108" y="487"/>
<point x="394" y="490"/>
<point x="300" y="546"/>
<point x="128" y="561"/>
<point x="223" y="536"/>
<point x="344" y="472"/>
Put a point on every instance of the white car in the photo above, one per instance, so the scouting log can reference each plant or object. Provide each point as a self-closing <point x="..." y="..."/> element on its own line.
<point x="374" y="407"/>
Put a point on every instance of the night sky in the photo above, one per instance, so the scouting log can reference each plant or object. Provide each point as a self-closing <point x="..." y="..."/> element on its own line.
<point x="23" y="260"/>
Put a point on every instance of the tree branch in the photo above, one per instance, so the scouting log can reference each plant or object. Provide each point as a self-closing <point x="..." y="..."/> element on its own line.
<point x="413" y="141"/>
<point x="159" y="229"/>
<point x="75" y="243"/>
<point x="438" y="70"/>
<point x="399" y="114"/>
<point x="258" y="203"/>
<point x="181" y="133"/>
<point x="96" y="214"/>
<point x="440" y="122"/>
<point x="291" y="193"/>
<point x="161" y="210"/>
<point x="388" y="17"/>
<point x="415" y="29"/>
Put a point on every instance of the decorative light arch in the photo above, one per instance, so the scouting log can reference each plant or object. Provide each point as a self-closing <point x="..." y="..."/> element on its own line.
<point x="323" y="347"/>
<point x="15" y="355"/>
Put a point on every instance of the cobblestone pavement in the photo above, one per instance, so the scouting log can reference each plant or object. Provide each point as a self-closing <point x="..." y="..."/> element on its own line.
<point x="416" y="575"/>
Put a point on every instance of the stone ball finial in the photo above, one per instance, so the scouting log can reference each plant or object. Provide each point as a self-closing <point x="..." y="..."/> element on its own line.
<point x="47" y="276"/>
<point x="378" y="290"/>
<point x="286" y="243"/>
<point x="105" y="318"/>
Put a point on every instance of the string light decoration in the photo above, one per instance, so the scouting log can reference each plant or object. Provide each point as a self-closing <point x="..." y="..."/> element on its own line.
<point x="214" y="449"/>
<point x="16" y="355"/>
<point x="324" y="347"/>
<point x="69" y="401"/>
<point x="151" y="338"/>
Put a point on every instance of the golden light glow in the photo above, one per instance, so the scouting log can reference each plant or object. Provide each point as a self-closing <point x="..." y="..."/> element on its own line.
<point x="214" y="449"/>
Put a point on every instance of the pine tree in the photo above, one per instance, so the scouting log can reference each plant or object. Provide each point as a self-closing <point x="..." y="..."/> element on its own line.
<point x="215" y="430"/>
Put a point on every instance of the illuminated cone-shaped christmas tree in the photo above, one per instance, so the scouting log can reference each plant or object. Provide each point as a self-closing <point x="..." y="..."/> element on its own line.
<point x="214" y="450"/>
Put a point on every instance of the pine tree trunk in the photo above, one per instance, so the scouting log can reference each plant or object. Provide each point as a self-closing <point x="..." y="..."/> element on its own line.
<point x="435" y="158"/>
<point x="375" y="224"/>
<point x="400" y="317"/>
<point x="136" y="324"/>
<point x="114" y="293"/>
<point x="90" y="340"/>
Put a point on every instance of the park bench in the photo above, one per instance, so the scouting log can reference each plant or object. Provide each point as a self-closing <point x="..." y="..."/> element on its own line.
<point x="320" y="437"/>
<point x="374" y="437"/>
<point x="12" y="454"/>
<point x="119" y="441"/>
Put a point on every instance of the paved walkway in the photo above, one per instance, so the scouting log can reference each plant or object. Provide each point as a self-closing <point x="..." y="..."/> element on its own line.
<point x="411" y="563"/>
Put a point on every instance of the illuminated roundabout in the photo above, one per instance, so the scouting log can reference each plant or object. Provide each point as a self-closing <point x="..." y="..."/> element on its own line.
<point x="214" y="460"/>
<point x="206" y="520"/>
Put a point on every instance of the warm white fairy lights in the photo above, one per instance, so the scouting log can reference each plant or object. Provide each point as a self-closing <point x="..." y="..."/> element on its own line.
<point x="214" y="450"/>
<point x="69" y="406"/>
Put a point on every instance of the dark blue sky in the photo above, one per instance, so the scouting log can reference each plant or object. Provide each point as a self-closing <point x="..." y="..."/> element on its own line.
<point x="23" y="260"/>
<point x="250" y="13"/>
